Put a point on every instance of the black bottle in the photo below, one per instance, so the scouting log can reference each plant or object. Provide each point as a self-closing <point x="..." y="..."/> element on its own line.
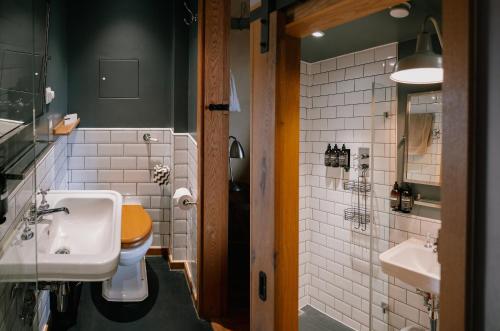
<point x="335" y="156"/>
<point x="395" y="197"/>
<point x="343" y="157"/>
<point x="406" y="201"/>
<point x="328" y="156"/>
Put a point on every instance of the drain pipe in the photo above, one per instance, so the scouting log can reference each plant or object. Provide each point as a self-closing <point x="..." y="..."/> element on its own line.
<point x="431" y="302"/>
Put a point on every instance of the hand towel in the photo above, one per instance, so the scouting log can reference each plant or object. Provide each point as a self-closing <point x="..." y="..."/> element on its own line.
<point x="234" y="102"/>
<point x="419" y="133"/>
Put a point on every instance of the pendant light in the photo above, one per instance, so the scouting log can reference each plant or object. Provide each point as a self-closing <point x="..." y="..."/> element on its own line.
<point x="424" y="66"/>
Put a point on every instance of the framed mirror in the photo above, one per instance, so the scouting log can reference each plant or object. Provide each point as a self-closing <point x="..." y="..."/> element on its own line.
<point x="423" y="138"/>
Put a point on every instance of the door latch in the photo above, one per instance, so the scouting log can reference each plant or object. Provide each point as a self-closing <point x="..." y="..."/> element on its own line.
<point x="262" y="286"/>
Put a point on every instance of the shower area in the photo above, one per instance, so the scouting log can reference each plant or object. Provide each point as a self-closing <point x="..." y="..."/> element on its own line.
<point x="348" y="164"/>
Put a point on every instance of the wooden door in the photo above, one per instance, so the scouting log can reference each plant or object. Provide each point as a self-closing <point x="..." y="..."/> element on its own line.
<point x="213" y="134"/>
<point x="274" y="198"/>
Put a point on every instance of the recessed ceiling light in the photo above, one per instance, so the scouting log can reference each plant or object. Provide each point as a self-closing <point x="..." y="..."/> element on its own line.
<point x="318" y="34"/>
<point x="400" y="11"/>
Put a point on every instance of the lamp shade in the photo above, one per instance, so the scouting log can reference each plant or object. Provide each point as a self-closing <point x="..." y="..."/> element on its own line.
<point x="236" y="150"/>
<point x="423" y="67"/>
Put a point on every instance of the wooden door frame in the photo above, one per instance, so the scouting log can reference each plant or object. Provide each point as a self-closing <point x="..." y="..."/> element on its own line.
<point x="212" y="129"/>
<point x="269" y="74"/>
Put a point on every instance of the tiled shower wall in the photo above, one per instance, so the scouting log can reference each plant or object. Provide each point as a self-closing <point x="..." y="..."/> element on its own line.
<point x="336" y="96"/>
<point x="51" y="173"/>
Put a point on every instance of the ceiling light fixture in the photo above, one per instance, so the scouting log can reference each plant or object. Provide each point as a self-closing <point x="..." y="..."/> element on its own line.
<point x="401" y="10"/>
<point x="318" y="34"/>
<point x="424" y="66"/>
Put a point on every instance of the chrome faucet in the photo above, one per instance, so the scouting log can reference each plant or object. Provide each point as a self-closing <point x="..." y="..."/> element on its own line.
<point x="39" y="213"/>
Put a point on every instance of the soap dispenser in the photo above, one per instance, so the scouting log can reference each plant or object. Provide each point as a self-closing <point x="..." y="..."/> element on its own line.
<point x="328" y="156"/>
<point x="395" y="197"/>
<point x="344" y="158"/>
<point x="335" y="156"/>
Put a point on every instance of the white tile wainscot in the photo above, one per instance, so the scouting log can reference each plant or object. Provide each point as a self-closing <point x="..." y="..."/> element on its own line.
<point x="334" y="269"/>
<point x="51" y="173"/>
<point x="117" y="159"/>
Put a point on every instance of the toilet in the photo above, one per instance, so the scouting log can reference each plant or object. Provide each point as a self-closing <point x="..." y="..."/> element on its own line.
<point x="130" y="283"/>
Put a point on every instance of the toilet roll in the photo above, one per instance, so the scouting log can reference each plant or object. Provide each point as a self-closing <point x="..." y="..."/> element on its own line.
<point x="183" y="198"/>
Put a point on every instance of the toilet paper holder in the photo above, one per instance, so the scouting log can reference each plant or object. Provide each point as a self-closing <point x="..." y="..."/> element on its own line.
<point x="187" y="203"/>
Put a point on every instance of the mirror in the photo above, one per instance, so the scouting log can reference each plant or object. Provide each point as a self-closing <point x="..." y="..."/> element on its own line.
<point x="22" y="63"/>
<point x="423" y="138"/>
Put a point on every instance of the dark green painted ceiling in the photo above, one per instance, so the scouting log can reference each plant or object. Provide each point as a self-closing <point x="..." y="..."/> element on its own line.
<point x="371" y="31"/>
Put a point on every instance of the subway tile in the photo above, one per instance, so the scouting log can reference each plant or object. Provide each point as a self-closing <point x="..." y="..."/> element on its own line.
<point x="125" y="189"/>
<point x="124" y="136"/>
<point x="110" y="176"/>
<point x="97" y="186"/>
<point x="93" y="162"/>
<point x="76" y="137"/>
<point x="160" y="150"/>
<point x="110" y="149"/>
<point x="123" y="162"/>
<point x="135" y="149"/>
<point x="345" y="61"/>
<point x="180" y="142"/>
<point x="84" y="150"/>
<point x="365" y="56"/>
<point x="98" y="136"/>
<point x="148" y="189"/>
<point x="137" y="176"/>
<point x="328" y="65"/>
<point x="386" y="52"/>
<point x="76" y="162"/>
<point x="83" y="176"/>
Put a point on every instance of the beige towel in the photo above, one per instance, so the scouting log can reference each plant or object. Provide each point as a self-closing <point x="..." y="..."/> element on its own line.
<point x="419" y="133"/>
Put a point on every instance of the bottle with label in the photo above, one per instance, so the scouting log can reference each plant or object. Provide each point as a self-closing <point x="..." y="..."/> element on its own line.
<point x="343" y="157"/>
<point x="328" y="154"/>
<point x="406" y="201"/>
<point x="395" y="197"/>
<point x="335" y="156"/>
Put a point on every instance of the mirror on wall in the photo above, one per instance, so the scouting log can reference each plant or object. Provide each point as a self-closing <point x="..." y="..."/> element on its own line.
<point x="423" y="138"/>
<point x="22" y="63"/>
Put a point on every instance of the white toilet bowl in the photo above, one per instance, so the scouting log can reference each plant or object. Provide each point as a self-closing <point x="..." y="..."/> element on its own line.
<point x="130" y="283"/>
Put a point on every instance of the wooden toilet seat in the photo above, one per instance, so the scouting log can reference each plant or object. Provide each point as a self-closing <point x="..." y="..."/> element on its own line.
<point x="136" y="226"/>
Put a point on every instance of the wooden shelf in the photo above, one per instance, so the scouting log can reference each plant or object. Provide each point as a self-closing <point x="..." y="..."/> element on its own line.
<point x="63" y="130"/>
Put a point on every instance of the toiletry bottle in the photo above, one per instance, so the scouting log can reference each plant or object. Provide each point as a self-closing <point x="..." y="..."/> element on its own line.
<point x="406" y="201"/>
<point x="328" y="154"/>
<point x="343" y="157"/>
<point x="335" y="156"/>
<point x="395" y="196"/>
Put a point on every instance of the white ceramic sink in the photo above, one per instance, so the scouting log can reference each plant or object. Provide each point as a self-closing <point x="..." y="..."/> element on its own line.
<point x="91" y="233"/>
<point x="414" y="264"/>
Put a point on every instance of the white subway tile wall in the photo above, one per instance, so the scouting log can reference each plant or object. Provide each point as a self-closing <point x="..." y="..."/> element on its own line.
<point x="117" y="159"/>
<point x="334" y="260"/>
<point x="51" y="173"/>
<point x="180" y="217"/>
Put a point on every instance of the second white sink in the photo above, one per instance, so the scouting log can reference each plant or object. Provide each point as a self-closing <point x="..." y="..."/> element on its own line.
<point x="414" y="264"/>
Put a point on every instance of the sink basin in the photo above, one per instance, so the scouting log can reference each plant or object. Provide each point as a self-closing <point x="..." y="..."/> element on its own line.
<point x="414" y="264"/>
<point x="82" y="246"/>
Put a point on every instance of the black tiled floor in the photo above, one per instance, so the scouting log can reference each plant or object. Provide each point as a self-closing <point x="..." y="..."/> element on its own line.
<point x="313" y="320"/>
<point x="172" y="309"/>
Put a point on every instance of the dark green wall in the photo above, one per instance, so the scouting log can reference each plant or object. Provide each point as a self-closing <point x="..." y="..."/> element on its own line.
<point x="57" y="65"/>
<point x="151" y="32"/>
<point x="193" y="70"/>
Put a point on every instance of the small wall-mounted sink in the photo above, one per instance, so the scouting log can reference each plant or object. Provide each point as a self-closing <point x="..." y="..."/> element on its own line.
<point x="81" y="246"/>
<point x="414" y="264"/>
